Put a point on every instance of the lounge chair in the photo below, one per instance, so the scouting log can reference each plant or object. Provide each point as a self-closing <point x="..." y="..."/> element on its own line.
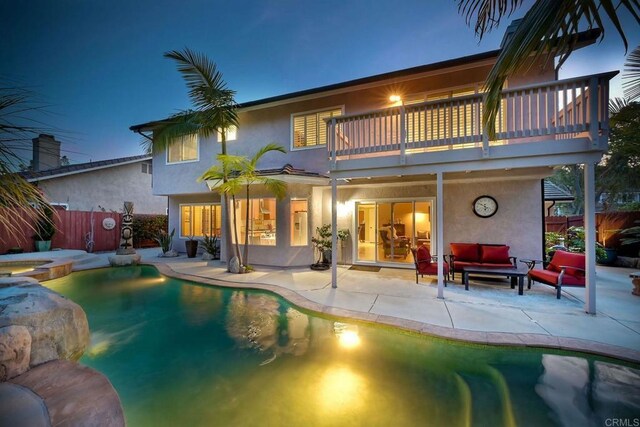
<point x="565" y="269"/>
<point x="425" y="263"/>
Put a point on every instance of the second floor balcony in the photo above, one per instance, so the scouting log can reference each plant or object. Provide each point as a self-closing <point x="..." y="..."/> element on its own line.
<point x="568" y="115"/>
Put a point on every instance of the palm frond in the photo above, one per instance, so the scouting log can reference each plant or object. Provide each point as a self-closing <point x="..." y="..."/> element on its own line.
<point x="22" y="204"/>
<point x="488" y="12"/>
<point x="206" y="85"/>
<point x="272" y="146"/>
<point x="616" y="105"/>
<point x="549" y="29"/>
<point x="166" y="132"/>
<point x="631" y="75"/>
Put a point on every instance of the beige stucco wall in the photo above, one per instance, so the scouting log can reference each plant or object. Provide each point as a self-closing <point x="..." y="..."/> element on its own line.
<point x="284" y="254"/>
<point x="517" y="223"/>
<point x="106" y="189"/>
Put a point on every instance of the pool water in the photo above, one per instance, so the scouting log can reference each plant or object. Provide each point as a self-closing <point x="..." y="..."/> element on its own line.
<point x="181" y="354"/>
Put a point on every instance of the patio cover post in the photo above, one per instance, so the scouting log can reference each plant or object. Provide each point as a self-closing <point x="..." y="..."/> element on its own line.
<point x="440" y="233"/>
<point x="590" y="237"/>
<point x="334" y="233"/>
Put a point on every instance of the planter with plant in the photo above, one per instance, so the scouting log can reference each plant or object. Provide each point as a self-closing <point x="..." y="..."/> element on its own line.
<point x="322" y="244"/>
<point x="165" y="240"/>
<point x="343" y="236"/>
<point x="191" y="246"/>
<point x="45" y="229"/>
<point x="211" y="247"/>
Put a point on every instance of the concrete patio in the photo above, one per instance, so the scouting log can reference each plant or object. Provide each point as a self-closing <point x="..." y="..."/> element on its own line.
<point x="490" y="312"/>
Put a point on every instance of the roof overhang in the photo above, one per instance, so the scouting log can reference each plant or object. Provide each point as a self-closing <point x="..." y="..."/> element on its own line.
<point x="89" y="169"/>
<point x="289" y="179"/>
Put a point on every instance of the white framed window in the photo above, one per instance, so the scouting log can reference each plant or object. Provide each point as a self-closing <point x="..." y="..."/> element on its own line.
<point x="298" y="222"/>
<point x="146" y="168"/>
<point x="231" y="134"/>
<point x="183" y="149"/>
<point x="196" y="220"/>
<point x="309" y="129"/>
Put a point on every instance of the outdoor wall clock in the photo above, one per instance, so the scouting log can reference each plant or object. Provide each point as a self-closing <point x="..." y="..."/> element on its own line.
<point x="485" y="206"/>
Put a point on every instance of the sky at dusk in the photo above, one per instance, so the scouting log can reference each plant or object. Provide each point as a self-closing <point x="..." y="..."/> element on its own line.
<point x="98" y="65"/>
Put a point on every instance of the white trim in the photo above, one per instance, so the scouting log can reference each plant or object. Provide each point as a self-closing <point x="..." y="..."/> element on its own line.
<point x="197" y="159"/>
<point x="305" y="113"/>
<point x="113" y="165"/>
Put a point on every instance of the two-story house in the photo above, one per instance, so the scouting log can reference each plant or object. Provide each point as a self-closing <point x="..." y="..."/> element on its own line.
<point x="400" y="156"/>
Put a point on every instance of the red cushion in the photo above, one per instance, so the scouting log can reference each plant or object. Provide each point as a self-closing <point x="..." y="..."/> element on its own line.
<point x="544" y="276"/>
<point x="459" y="265"/>
<point x="494" y="254"/>
<point x="466" y="251"/>
<point x="568" y="259"/>
<point x="432" y="269"/>
<point x="551" y="278"/>
<point x="423" y="255"/>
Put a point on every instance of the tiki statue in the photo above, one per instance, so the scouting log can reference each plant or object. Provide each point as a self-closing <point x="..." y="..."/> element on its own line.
<point x="126" y="234"/>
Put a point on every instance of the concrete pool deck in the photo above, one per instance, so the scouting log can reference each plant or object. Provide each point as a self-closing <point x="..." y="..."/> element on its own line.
<point x="489" y="313"/>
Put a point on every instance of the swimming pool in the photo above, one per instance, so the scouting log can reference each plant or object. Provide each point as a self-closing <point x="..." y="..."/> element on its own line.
<point x="184" y="354"/>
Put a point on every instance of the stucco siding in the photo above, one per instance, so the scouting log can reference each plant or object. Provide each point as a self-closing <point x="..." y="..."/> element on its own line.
<point x="106" y="189"/>
<point x="273" y="124"/>
<point x="517" y="223"/>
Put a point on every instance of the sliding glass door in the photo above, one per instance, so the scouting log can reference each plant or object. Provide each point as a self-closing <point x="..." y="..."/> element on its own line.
<point x="388" y="229"/>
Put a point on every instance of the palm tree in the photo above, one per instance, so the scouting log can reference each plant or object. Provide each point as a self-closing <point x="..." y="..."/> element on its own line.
<point x="631" y="75"/>
<point x="21" y="204"/>
<point x="550" y="28"/>
<point x="214" y="112"/>
<point x="241" y="174"/>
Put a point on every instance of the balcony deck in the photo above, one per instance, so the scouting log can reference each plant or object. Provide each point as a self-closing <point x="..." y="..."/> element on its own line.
<point x="557" y="121"/>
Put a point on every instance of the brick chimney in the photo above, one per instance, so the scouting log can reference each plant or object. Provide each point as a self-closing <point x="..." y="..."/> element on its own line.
<point x="46" y="152"/>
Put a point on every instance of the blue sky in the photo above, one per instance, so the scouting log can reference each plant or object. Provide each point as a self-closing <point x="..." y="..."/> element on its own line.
<point x="99" y="64"/>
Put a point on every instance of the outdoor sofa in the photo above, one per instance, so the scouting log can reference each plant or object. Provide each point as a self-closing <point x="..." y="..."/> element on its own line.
<point x="479" y="255"/>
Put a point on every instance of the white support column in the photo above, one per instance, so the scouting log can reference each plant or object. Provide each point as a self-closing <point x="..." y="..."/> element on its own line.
<point x="334" y="233"/>
<point x="440" y="233"/>
<point x="590" y="237"/>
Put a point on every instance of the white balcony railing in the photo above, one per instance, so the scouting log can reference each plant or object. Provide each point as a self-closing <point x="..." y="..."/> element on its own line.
<point x="563" y="109"/>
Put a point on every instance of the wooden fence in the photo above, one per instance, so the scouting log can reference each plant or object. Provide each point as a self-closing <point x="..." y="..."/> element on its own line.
<point x="608" y="226"/>
<point x="72" y="228"/>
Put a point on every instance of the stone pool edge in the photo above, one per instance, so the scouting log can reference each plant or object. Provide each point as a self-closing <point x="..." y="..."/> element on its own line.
<point x="507" y="339"/>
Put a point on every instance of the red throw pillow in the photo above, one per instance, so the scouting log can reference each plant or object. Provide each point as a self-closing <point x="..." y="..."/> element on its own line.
<point x="495" y="254"/>
<point x="568" y="259"/>
<point x="424" y="255"/>
<point x="469" y="252"/>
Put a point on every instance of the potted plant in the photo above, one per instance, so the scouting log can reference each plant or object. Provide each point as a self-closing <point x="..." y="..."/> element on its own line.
<point x="45" y="229"/>
<point x="191" y="246"/>
<point x="343" y="235"/>
<point x="322" y="244"/>
<point x="211" y="247"/>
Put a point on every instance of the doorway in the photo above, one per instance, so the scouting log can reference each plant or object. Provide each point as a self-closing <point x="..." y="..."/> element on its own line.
<point x="388" y="229"/>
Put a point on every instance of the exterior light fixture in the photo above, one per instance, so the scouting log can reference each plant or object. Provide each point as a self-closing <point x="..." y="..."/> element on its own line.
<point x="395" y="98"/>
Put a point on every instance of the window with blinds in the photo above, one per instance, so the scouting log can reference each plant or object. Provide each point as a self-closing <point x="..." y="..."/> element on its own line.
<point x="310" y="129"/>
<point x="183" y="149"/>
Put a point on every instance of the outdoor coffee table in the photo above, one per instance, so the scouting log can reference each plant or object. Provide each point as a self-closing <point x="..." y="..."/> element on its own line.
<point x="515" y="274"/>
